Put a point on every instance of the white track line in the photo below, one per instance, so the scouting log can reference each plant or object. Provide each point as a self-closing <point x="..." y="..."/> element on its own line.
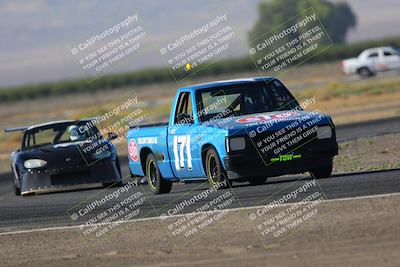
<point x="181" y="215"/>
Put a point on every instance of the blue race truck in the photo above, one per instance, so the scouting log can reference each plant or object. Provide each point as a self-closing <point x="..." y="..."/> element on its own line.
<point x="236" y="130"/>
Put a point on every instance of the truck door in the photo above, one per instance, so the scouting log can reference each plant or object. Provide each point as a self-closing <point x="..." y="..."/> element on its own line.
<point x="182" y="139"/>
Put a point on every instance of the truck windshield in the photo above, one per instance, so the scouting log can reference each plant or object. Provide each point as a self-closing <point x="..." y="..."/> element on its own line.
<point x="244" y="99"/>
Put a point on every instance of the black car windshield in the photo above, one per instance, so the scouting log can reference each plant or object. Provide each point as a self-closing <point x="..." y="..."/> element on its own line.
<point x="244" y="99"/>
<point x="59" y="133"/>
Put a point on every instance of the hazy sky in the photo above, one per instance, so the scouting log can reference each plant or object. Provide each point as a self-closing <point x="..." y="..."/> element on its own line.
<point x="37" y="35"/>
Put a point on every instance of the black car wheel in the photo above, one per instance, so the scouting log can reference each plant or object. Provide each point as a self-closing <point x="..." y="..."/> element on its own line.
<point x="214" y="170"/>
<point x="257" y="180"/>
<point x="157" y="184"/>
<point x="17" y="191"/>
<point x="17" y="183"/>
<point x="324" y="172"/>
<point x="115" y="184"/>
<point x="118" y="167"/>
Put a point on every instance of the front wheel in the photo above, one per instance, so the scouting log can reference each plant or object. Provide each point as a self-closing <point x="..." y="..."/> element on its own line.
<point x="17" y="191"/>
<point x="324" y="172"/>
<point x="214" y="170"/>
<point x="118" y="167"/>
<point x="17" y="183"/>
<point x="157" y="184"/>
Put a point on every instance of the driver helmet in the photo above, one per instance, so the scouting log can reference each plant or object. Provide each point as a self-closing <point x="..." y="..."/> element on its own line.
<point x="75" y="134"/>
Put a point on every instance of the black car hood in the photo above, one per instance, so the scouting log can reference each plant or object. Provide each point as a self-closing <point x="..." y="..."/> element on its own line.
<point x="71" y="153"/>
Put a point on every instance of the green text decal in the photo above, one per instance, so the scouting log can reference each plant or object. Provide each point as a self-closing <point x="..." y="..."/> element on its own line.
<point x="286" y="157"/>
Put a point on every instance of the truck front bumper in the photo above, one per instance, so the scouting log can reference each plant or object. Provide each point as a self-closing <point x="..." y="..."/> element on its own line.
<point x="248" y="165"/>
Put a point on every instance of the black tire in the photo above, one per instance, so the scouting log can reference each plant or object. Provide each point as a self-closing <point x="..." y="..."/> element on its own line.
<point x="118" y="167"/>
<point x="17" y="191"/>
<point x="324" y="172"/>
<point x="257" y="180"/>
<point x="364" y="72"/>
<point x="157" y="184"/>
<point x="113" y="184"/>
<point x="214" y="170"/>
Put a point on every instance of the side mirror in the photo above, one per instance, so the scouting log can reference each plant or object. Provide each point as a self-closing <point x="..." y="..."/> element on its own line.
<point x="112" y="136"/>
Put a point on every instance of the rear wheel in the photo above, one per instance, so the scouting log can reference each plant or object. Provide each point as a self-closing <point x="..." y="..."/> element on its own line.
<point x="214" y="170"/>
<point x="113" y="184"/>
<point x="364" y="72"/>
<point x="157" y="184"/>
<point x="323" y="172"/>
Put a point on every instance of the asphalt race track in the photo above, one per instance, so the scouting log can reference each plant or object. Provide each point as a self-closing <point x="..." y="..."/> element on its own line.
<point x="54" y="209"/>
<point x="367" y="129"/>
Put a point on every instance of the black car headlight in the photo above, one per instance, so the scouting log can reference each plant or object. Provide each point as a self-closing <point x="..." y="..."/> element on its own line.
<point x="34" y="163"/>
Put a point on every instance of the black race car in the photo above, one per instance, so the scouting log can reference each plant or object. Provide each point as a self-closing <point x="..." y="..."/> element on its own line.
<point x="62" y="154"/>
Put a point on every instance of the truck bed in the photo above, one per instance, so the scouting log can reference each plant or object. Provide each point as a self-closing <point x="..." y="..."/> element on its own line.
<point x="157" y="124"/>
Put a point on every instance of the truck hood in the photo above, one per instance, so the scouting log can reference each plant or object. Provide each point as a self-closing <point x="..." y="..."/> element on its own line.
<point x="272" y="120"/>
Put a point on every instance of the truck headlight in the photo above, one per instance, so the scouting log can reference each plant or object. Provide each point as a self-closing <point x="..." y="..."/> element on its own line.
<point x="237" y="143"/>
<point x="34" y="163"/>
<point x="324" y="132"/>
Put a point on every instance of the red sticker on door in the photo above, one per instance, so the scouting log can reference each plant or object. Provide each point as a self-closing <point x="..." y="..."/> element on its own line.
<point x="133" y="150"/>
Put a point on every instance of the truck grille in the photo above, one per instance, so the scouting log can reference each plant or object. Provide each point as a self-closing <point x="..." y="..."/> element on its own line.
<point x="270" y="144"/>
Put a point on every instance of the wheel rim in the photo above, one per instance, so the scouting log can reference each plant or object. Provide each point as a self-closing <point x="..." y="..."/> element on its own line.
<point x="152" y="174"/>
<point x="212" y="169"/>
<point x="364" y="72"/>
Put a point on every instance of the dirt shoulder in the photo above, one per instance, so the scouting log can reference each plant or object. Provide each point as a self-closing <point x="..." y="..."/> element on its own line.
<point x="358" y="232"/>
<point x="368" y="154"/>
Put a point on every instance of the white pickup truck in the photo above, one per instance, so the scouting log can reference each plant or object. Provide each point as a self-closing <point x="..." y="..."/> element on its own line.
<point x="373" y="60"/>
